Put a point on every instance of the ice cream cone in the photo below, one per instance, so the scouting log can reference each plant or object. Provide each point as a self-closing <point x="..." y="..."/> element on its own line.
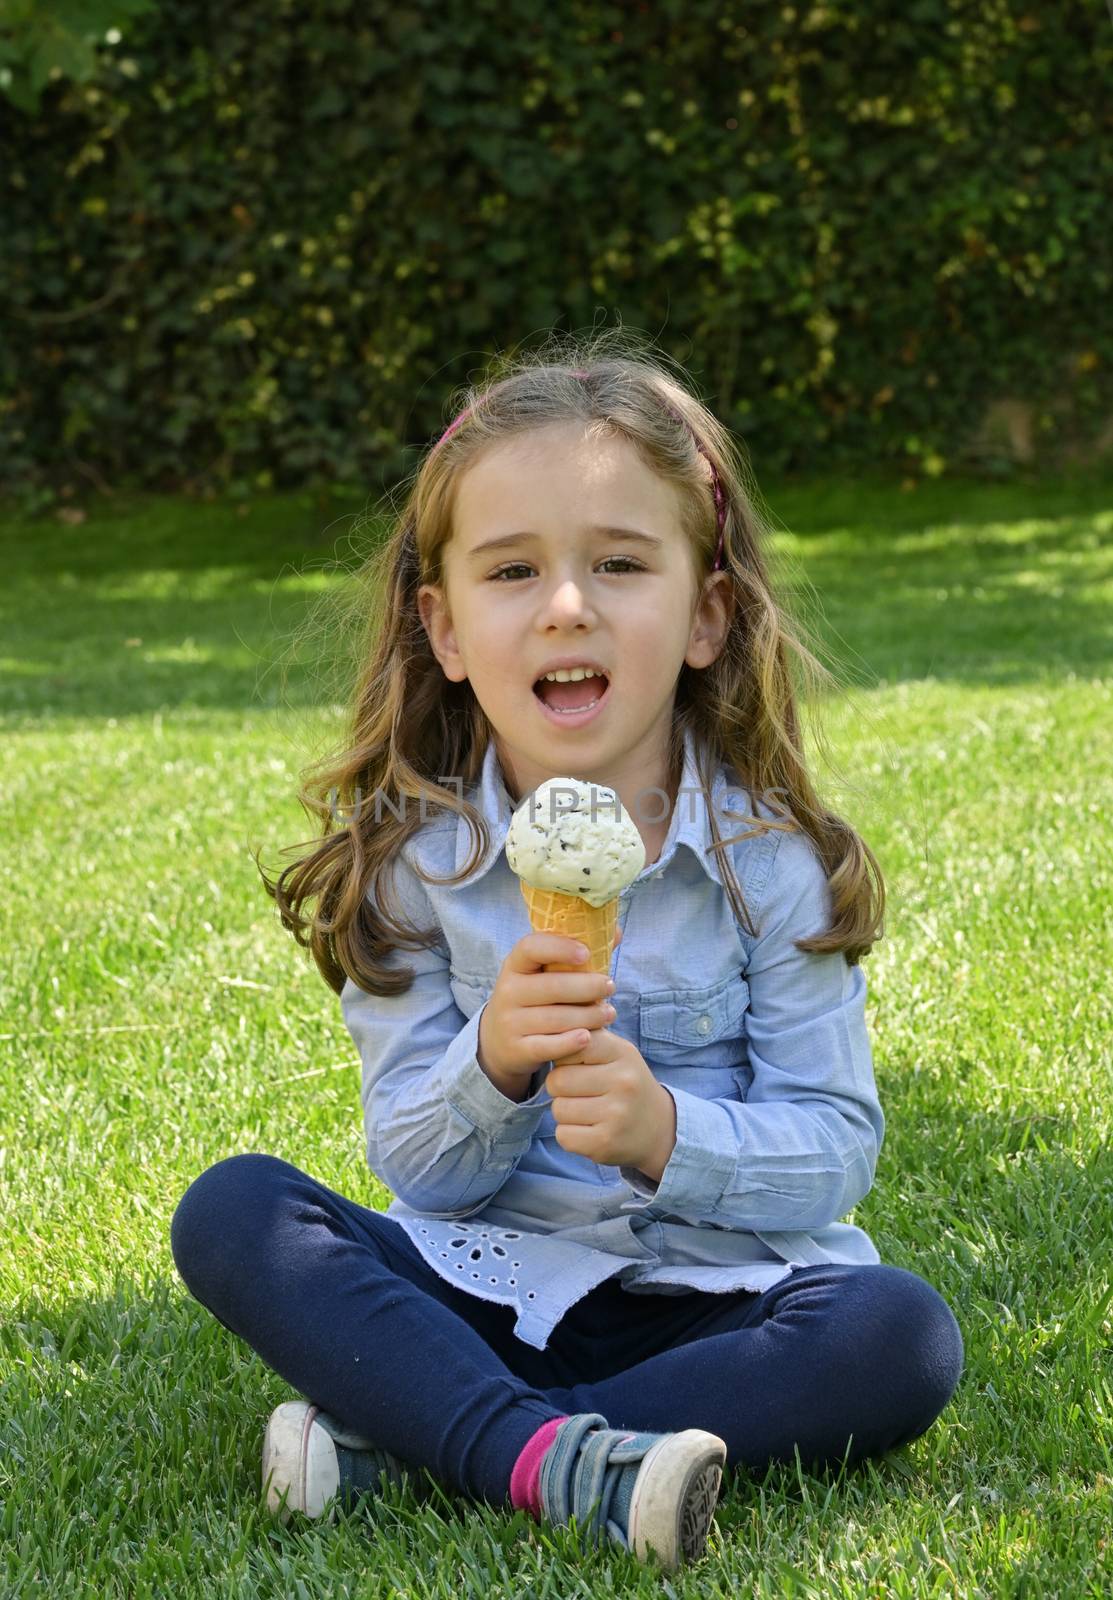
<point x="567" y="914"/>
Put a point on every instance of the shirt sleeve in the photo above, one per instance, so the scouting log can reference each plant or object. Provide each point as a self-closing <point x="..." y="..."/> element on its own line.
<point x="440" y="1135"/>
<point x="801" y="1149"/>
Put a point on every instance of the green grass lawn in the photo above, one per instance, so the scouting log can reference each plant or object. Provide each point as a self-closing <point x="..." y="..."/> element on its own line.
<point x="154" y="1017"/>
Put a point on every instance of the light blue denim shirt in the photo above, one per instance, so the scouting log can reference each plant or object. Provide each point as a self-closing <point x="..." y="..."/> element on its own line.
<point x="762" y="1047"/>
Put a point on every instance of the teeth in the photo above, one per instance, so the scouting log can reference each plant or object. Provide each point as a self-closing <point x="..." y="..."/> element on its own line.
<point x="572" y="674"/>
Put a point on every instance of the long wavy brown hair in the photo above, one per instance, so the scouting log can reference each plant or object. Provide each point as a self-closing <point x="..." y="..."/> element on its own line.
<point x="407" y="725"/>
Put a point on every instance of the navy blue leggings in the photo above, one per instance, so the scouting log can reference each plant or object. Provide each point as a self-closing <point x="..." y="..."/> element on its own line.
<point x="842" y="1362"/>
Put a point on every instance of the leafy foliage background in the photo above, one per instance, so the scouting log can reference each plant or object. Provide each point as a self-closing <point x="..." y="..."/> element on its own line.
<point x="258" y="245"/>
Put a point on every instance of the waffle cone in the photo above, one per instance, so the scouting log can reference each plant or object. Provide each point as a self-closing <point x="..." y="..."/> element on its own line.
<point x="567" y="914"/>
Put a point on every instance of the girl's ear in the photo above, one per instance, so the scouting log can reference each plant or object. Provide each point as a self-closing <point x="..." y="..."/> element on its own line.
<point x="432" y="607"/>
<point x="711" y="621"/>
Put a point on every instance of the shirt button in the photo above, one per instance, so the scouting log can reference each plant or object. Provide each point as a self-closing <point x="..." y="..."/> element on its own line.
<point x="703" y="1025"/>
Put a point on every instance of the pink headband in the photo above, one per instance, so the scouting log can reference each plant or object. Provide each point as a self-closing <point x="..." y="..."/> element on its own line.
<point x="720" y="502"/>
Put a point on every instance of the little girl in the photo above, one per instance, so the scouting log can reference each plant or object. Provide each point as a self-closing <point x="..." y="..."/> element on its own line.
<point x="614" y="1261"/>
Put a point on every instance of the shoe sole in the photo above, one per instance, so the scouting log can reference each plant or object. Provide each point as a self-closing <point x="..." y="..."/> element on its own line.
<point x="675" y="1495"/>
<point x="299" y="1462"/>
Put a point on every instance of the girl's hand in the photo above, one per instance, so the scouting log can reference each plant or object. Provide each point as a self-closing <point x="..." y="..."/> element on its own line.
<point x="535" y="1016"/>
<point x="612" y="1109"/>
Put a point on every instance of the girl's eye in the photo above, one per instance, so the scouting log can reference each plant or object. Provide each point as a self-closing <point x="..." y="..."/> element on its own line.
<point x="523" y="566"/>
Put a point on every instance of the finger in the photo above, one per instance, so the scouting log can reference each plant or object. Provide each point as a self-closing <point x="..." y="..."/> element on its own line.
<point x="578" y="1114"/>
<point x="537" y="1048"/>
<point x="558" y="988"/>
<point x="559" y="1019"/>
<point x="558" y="1045"/>
<point x="577" y="1079"/>
<point x="541" y="1009"/>
<point x="593" y="1049"/>
<point x="536" y="950"/>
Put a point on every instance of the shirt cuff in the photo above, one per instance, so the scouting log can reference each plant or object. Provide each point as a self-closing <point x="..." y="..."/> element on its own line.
<point x="702" y="1163"/>
<point x="468" y="1088"/>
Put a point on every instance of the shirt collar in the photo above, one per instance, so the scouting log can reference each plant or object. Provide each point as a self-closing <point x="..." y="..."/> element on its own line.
<point x="688" y="826"/>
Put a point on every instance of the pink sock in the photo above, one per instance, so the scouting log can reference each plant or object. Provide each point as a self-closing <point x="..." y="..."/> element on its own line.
<point x="525" y="1486"/>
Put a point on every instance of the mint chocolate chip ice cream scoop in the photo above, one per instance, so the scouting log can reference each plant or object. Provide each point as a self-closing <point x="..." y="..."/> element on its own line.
<point x="575" y="838"/>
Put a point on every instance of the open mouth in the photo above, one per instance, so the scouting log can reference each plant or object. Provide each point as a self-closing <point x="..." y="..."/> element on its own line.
<point x="572" y="697"/>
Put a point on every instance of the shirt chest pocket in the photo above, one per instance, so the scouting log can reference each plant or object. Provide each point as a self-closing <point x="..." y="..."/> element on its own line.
<point x="695" y="1027"/>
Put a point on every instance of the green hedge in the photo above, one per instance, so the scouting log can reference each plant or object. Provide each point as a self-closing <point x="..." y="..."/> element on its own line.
<point x="261" y="243"/>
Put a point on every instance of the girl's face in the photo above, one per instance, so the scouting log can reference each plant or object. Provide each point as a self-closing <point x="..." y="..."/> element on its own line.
<point x="566" y="584"/>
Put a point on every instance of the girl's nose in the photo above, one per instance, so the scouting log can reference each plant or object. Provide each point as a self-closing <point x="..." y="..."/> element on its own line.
<point x="568" y="599"/>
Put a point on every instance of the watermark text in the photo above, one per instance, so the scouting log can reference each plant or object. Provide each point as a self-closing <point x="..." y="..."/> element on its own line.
<point x="650" y="806"/>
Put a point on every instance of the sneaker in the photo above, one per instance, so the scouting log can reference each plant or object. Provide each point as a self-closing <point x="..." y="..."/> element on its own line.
<point x="311" y="1463"/>
<point x="652" y="1493"/>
